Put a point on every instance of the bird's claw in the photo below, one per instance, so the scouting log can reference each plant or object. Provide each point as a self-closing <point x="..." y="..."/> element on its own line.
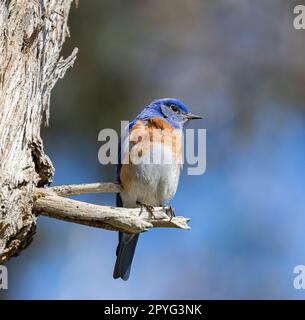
<point x="170" y="211"/>
<point x="149" y="209"/>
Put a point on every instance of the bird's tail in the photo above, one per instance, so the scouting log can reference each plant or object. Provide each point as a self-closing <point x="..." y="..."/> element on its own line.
<point x="125" y="252"/>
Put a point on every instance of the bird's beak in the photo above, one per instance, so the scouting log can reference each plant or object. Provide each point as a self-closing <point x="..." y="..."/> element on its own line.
<point x="191" y="116"/>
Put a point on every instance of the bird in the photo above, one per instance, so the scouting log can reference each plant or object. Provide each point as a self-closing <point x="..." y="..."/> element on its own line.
<point x="149" y="183"/>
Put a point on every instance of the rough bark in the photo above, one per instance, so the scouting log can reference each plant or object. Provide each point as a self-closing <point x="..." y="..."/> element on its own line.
<point x="32" y="34"/>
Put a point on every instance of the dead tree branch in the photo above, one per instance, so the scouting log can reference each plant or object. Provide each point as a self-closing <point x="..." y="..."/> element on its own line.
<point x="78" y="189"/>
<point x="49" y="202"/>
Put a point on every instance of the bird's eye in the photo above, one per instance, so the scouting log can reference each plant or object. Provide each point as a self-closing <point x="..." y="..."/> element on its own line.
<point x="174" y="108"/>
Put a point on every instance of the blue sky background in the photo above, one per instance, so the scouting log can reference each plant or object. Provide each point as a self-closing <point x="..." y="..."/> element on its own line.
<point x="239" y="63"/>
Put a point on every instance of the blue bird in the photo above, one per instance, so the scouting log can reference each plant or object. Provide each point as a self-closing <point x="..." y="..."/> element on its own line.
<point x="149" y="183"/>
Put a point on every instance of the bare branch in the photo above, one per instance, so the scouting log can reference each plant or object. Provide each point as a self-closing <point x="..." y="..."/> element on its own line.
<point x="77" y="189"/>
<point x="130" y="220"/>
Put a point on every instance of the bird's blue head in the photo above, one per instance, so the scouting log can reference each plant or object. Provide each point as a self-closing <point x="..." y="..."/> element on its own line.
<point x="172" y="110"/>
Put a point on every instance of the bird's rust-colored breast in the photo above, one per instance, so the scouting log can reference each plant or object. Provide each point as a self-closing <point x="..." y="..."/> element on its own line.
<point x="162" y="132"/>
<point x="143" y="136"/>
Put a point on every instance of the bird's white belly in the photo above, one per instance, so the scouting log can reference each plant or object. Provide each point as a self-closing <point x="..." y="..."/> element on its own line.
<point x="153" y="183"/>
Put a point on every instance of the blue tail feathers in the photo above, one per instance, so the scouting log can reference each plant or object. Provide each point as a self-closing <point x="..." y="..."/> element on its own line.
<point x="125" y="252"/>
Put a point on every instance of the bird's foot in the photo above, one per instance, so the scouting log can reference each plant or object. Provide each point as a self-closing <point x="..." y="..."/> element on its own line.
<point x="170" y="211"/>
<point x="149" y="209"/>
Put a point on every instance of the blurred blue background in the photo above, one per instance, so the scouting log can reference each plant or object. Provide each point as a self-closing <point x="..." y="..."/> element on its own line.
<point x="242" y="65"/>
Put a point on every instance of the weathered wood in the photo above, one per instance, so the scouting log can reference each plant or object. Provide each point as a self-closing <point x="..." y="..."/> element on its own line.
<point x="77" y="189"/>
<point x="133" y="220"/>
<point x="32" y="34"/>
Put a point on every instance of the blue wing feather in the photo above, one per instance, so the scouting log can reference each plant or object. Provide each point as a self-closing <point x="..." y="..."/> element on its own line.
<point x="127" y="242"/>
<point x="119" y="165"/>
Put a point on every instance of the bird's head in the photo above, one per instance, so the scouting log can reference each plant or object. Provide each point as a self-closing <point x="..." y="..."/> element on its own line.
<point x="172" y="110"/>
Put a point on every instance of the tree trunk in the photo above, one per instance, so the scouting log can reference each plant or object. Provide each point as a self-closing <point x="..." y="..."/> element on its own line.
<point x="32" y="34"/>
